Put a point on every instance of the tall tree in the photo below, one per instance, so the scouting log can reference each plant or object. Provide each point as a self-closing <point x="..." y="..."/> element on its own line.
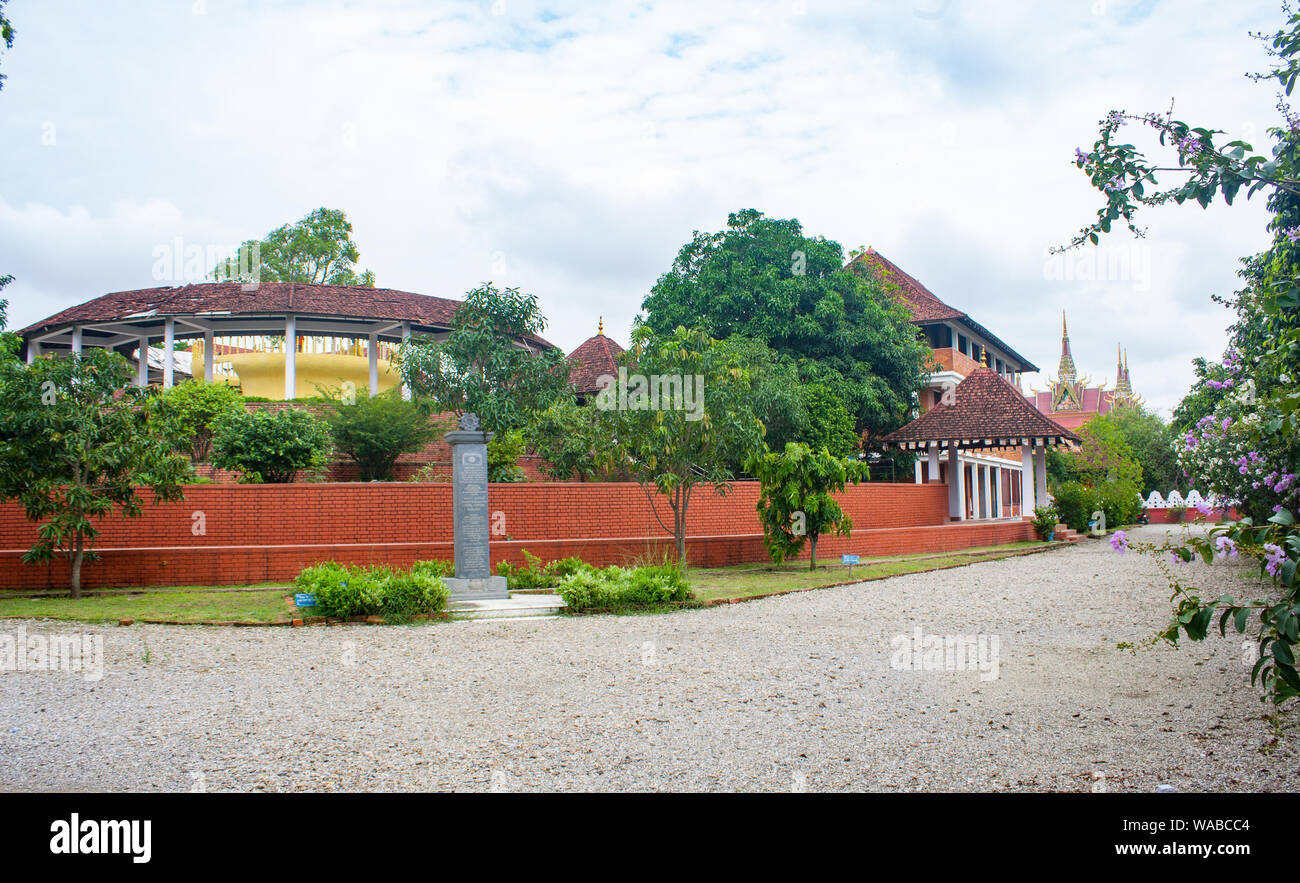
<point x="75" y="445"/>
<point x="318" y="249"/>
<point x="764" y="279"/>
<point x="681" y="419"/>
<point x="490" y="364"/>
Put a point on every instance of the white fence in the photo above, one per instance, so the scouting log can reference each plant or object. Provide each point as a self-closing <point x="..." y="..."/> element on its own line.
<point x="1175" y="500"/>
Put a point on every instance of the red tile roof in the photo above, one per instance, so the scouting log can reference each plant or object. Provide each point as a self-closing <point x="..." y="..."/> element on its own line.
<point x="924" y="306"/>
<point x="595" y="357"/>
<point x="986" y="411"/>
<point x="230" y="299"/>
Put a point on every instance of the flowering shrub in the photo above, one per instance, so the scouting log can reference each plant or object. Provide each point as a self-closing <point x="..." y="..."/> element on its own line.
<point x="1241" y="425"/>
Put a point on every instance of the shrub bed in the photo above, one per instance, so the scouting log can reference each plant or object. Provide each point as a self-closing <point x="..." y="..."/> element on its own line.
<point x="345" y="592"/>
<point x="615" y="587"/>
<point x="532" y="575"/>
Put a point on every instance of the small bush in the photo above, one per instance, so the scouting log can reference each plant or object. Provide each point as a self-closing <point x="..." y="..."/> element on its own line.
<point x="344" y="592"/>
<point x="1075" y="503"/>
<point x="615" y="587"/>
<point x="374" y="431"/>
<point x="435" y="567"/>
<point x="532" y="575"/>
<point x="1045" y="521"/>
<point x="270" y="446"/>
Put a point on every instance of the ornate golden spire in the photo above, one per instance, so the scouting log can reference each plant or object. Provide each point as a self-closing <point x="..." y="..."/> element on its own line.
<point x="601" y="328"/>
<point x="984" y="357"/>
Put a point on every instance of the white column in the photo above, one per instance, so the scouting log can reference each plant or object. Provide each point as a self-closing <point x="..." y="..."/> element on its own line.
<point x="406" y="336"/>
<point x="983" y="485"/>
<point x="1040" y="476"/>
<point x="209" y="354"/>
<point x="33" y="351"/>
<point x="956" y="484"/>
<point x="917" y="464"/>
<point x="76" y="339"/>
<point x="1027" y="498"/>
<point x="169" y="353"/>
<point x="932" y="462"/>
<point x="142" y="369"/>
<point x="374" y="364"/>
<point x="290" y="357"/>
<point x="997" y="491"/>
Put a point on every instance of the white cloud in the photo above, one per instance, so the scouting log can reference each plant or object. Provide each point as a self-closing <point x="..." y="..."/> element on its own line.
<point x="572" y="148"/>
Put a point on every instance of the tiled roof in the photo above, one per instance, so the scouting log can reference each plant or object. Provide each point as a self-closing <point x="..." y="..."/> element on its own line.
<point x="596" y="356"/>
<point x="986" y="411"/>
<point x="924" y="306"/>
<point x="230" y="299"/>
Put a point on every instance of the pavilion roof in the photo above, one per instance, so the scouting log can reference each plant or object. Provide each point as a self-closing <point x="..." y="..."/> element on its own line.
<point x="986" y="412"/>
<point x="215" y="301"/>
<point x="597" y="356"/>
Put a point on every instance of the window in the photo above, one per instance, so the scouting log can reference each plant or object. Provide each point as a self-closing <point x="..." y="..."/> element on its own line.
<point x="963" y="345"/>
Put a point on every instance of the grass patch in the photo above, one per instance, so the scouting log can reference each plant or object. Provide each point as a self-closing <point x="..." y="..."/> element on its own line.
<point x="191" y="604"/>
<point x="751" y="580"/>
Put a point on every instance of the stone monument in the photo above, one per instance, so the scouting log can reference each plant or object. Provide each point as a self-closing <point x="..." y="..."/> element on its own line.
<point x="470" y="517"/>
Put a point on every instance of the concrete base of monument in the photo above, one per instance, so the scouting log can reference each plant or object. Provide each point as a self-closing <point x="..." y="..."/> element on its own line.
<point x="519" y="606"/>
<point x="485" y="589"/>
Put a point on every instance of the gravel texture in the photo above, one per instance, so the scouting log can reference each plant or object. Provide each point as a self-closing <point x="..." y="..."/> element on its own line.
<point x="788" y="693"/>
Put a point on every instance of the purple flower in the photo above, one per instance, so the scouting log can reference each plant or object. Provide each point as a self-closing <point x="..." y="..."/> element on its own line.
<point x="1204" y="509"/>
<point x="1292" y="234"/>
<point x="1226" y="546"/>
<point x="1273" y="564"/>
<point x="1079" y="156"/>
<point x="1119" y="541"/>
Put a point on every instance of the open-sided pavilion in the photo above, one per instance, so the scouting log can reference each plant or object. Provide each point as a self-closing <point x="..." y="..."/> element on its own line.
<point x="966" y="437"/>
<point x="131" y="321"/>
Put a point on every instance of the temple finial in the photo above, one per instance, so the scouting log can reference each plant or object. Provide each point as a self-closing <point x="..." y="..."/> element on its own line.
<point x="600" y="329"/>
<point x="984" y="357"/>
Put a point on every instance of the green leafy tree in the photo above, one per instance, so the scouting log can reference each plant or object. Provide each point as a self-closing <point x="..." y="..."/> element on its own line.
<point x="503" y="453"/>
<point x="795" y="501"/>
<point x="1105" y="464"/>
<point x="1152" y="442"/>
<point x="318" y="249"/>
<point x="830" y="425"/>
<point x="568" y="437"/>
<point x="189" y="411"/>
<point x="490" y="364"/>
<point x="674" y="442"/>
<point x="374" y="431"/>
<point x="75" y="445"/>
<point x="762" y="278"/>
<point x="270" y="446"/>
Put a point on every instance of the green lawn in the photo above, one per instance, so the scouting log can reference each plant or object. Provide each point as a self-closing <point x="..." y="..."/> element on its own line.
<point x="749" y="580"/>
<point x="188" y="604"/>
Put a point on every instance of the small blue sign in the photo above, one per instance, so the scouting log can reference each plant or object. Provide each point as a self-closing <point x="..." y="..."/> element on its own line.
<point x="302" y="599"/>
<point x="849" y="559"/>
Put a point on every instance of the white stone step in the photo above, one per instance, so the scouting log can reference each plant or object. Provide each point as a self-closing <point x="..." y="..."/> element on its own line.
<point x="517" y="606"/>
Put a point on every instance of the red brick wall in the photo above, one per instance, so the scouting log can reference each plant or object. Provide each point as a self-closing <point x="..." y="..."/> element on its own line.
<point x="256" y="533"/>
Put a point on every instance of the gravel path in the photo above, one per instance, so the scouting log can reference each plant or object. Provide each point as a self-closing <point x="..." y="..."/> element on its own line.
<point x="796" y="692"/>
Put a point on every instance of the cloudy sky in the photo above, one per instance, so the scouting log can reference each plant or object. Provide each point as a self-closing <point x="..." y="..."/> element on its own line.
<point x="572" y="148"/>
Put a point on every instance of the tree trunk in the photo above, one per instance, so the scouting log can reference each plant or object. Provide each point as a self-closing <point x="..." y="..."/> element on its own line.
<point x="78" y="555"/>
<point x="812" y="559"/>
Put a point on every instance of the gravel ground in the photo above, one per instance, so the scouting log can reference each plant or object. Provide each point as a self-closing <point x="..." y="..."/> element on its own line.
<point x="796" y="692"/>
